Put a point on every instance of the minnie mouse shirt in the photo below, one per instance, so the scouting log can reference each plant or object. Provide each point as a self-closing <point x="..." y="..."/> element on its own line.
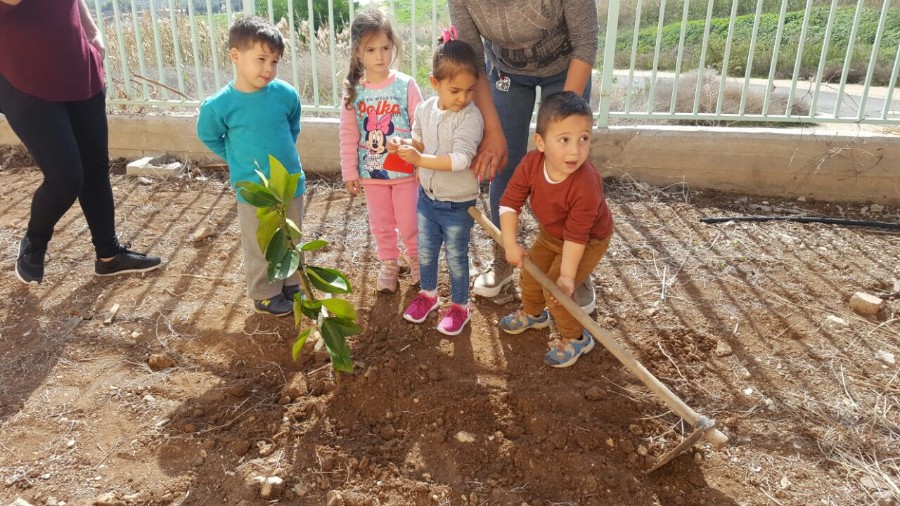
<point x="380" y="111"/>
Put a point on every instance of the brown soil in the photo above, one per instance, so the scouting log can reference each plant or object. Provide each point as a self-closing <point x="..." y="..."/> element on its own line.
<point x="748" y="323"/>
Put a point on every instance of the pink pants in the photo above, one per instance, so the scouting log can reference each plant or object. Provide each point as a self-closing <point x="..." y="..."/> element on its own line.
<point x="392" y="208"/>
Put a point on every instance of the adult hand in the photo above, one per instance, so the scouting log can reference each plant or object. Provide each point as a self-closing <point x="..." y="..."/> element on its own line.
<point x="353" y="187"/>
<point x="492" y="154"/>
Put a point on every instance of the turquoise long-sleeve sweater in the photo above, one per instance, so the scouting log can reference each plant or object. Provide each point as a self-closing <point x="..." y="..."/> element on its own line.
<point x="245" y="128"/>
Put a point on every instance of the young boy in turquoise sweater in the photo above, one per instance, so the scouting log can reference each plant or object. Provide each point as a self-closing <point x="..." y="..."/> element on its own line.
<point x="252" y="117"/>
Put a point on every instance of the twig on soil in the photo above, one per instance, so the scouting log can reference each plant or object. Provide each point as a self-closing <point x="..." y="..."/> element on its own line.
<point x="198" y="276"/>
<point x="658" y="344"/>
<point x="111" y="450"/>
<point x="228" y="423"/>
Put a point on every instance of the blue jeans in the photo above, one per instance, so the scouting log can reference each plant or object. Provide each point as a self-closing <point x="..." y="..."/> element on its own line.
<point x="514" y="108"/>
<point x="449" y="223"/>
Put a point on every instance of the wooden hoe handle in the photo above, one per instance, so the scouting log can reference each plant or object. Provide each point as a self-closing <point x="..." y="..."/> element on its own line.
<point x="713" y="435"/>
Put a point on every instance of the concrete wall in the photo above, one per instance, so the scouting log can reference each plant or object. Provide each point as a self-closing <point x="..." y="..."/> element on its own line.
<point x="812" y="162"/>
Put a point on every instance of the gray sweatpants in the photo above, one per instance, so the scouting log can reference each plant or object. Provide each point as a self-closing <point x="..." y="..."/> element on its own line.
<point x="255" y="265"/>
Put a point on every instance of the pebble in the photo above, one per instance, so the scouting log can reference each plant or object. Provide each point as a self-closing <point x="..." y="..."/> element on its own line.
<point x="723" y="349"/>
<point x="465" y="437"/>
<point x="272" y="488"/>
<point x="160" y="361"/>
<point x="886" y="357"/>
<point x="595" y="393"/>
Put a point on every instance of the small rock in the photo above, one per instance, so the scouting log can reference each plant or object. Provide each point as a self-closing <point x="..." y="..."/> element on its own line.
<point x="20" y="502"/>
<point x="610" y="443"/>
<point x="595" y="393"/>
<point x="837" y="320"/>
<point x="334" y="498"/>
<point x="265" y="448"/>
<point x="886" y="357"/>
<point x="465" y="437"/>
<point x="159" y="361"/>
<point x="698" y="458"/>
<point x="51" y="501"/>
<point x="284" y="399"/>
<point x="865" y="304"/>
<point x="801" y="198"/>
<point x="107" y="499"/>
<point x="201" y="234"/>
<point x="636" y="429"/>
<point x="272" y="488"/>
<point x="723" y="349"/>
<point x="296" y="387"/>
<point x="132" y="498"/>
<point x="387" y="432"/>
<point x="642" y="450"/>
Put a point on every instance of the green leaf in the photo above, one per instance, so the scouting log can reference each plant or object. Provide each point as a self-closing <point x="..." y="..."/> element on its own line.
<point x="310" y="308"/>
<point x="284" y="267"/>
<point x="269" y="222"/>
<point x="298" y="344"/>
<point x="328" y="280"/>
<point x="314" y="245"/>
<point x="277" y="247"/>
<point x="340" y="308"/>
<point x="256" y="194"/>
<point x="279" y="180"/>
<point x="335" y="332"/>
<point x="293" y="230"/>
<point x="298" y="309"/>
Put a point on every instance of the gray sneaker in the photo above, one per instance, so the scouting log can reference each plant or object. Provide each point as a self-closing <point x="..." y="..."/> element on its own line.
<point x="277" y="305"/>
<point x="585" y="296"/>
<point x="491" y="283"/>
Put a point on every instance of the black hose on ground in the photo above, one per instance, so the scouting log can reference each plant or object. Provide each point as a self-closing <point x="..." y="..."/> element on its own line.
<point x="806" y="219"/>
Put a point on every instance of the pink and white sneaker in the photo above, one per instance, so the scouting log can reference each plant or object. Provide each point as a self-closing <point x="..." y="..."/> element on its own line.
<point x="454" y="320"/>
<point x="421" y="307"/>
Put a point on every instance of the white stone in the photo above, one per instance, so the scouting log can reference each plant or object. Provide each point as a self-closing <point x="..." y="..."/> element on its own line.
<point x="723" y="349"/>
<point x="865" y="304"/>
<point x="886" y="357"/>
<point x="465" y="437"/>
<point x="838" y="320"/>
<point x="160" y="166"/>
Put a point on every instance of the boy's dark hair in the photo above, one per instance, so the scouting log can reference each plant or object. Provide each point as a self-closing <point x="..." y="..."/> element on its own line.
<point x="453" y="57"/>
<point x="248" y="31"/>
<point x="559" y="106"/>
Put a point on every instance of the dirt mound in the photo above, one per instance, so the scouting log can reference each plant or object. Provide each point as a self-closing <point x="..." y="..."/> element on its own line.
<point x="187" y="397"/>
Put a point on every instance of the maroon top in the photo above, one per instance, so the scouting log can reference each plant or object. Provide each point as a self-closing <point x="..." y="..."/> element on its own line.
<point x="571" y="210"/>
<point x="44" y="51"/>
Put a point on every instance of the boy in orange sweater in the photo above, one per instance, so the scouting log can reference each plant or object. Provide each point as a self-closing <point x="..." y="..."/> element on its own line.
<point x="566" y="197"/>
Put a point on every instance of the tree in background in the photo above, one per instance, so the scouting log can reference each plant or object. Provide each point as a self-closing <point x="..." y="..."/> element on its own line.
<point x="301" y="11"/>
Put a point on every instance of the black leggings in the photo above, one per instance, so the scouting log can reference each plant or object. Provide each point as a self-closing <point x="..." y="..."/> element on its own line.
<point x="70" y="143"/>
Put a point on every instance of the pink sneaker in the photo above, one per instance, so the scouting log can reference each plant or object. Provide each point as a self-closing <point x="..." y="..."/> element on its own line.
<point x="454" y="320"/>
<point x="421" y="307"/>
<point x="387" y="277"/>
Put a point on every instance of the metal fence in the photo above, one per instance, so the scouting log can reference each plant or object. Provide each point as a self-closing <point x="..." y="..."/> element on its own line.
<point x="699" y="62"/>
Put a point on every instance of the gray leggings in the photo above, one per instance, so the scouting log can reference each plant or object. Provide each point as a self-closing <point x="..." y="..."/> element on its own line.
<point x="255" y="265"/>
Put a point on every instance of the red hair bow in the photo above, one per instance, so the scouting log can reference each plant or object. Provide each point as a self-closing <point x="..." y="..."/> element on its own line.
<point x="448" y="34"/>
